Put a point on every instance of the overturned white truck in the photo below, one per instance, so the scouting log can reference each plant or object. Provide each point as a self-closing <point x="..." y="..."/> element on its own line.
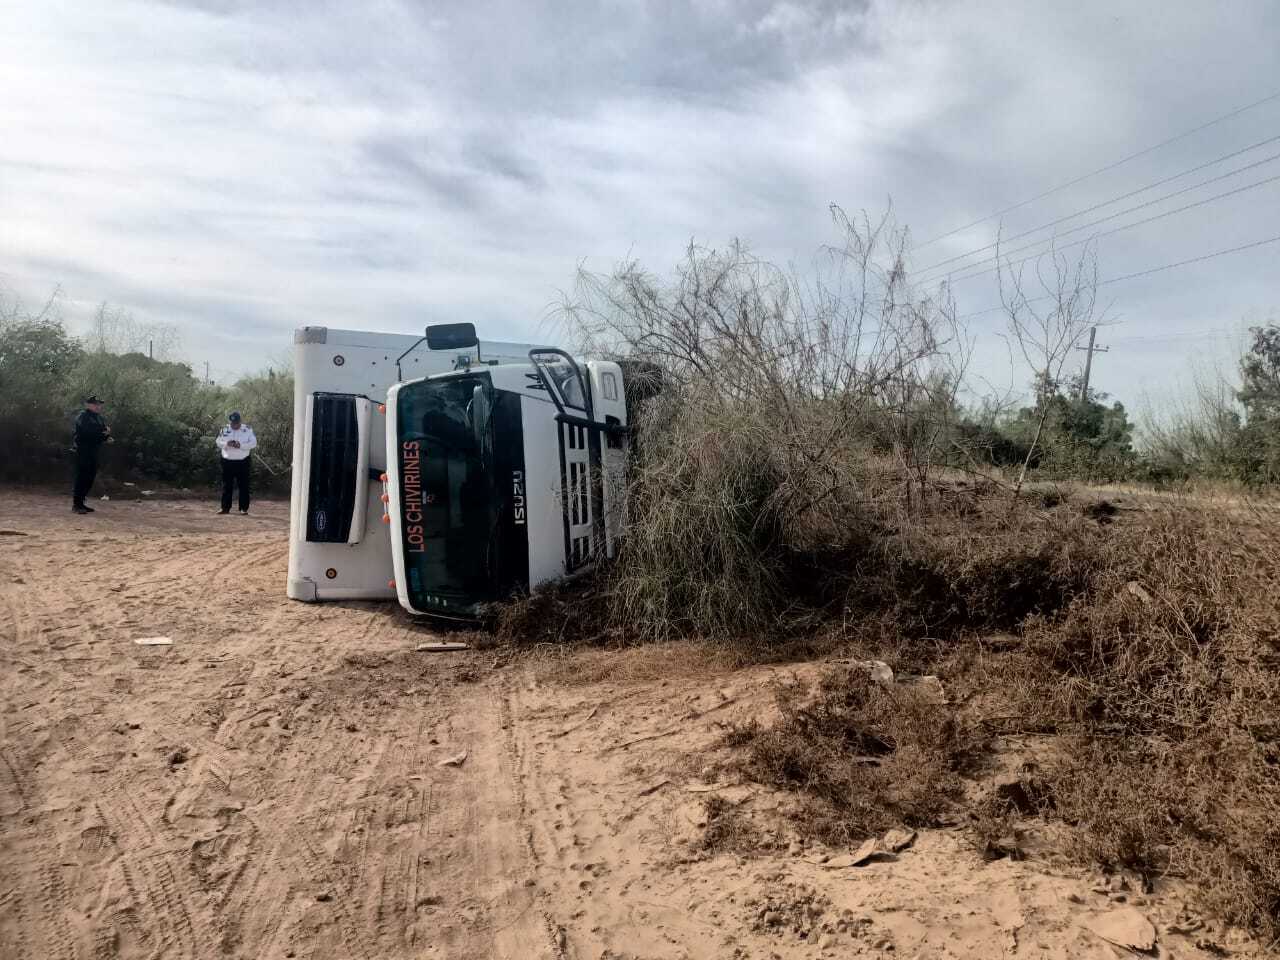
<point x="449" y="472"/>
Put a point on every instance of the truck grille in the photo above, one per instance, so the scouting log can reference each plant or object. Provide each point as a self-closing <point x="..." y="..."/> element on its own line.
<point x="335" y="454"/>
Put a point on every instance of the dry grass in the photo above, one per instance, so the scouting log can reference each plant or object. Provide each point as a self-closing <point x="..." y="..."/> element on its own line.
<point x="727" y="829"/>
<point x="867" y="756"/>
<point x="1170" y="669"/>
<point x="986" y="568"/>
<point x="1151" y="647"/>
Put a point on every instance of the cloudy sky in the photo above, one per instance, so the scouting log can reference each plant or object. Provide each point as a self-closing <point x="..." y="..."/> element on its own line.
<point x="241" y="167"/>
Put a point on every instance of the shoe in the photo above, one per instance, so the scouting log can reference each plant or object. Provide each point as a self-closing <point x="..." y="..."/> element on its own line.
<point x="244" y="513"/>
<point x="88" y="509"/>
<point x="223" y="513"/>
<point x="81" y="510"/>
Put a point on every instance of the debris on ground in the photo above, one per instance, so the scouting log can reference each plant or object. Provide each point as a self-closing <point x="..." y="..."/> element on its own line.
<point x="1003" y="847"/>
<point x="154" y="641"/>
<point x="796" y="909"/>
<point x="870" y="850"/>
<point x="442" y="646"/>
<point x="456" y="760"/>
<point x="1126" y="928"/>
<point x="895" y="841"/>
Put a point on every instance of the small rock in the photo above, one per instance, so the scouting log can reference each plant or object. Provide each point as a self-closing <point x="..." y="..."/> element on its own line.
<point x="880" y="671"/>
<point x="324" y="897"/>
<point x="795" y="848"/>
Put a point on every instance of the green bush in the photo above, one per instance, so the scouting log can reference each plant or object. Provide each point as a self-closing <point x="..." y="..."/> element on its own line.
<point x="163" y="418"/>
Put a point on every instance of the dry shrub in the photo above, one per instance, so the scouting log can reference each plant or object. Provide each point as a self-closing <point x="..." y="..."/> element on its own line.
<point x="702" y="554"/>
<point x="564" y="613"/>
<point x="1177" y="631"/>
<point x="727" y="829"/>
<point x="1172" y="668"/>
<point x="1184" y="810"/>
<point x="867" y="756"/>
<point x="943" y="575"/>
<point x="764" y="456"/>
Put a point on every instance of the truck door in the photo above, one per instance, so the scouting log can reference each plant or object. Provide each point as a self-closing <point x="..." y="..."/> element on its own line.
<point x="578" y="435"/>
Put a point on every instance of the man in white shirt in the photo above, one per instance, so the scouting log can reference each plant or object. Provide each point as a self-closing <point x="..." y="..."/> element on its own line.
<point x="236" y="441"/>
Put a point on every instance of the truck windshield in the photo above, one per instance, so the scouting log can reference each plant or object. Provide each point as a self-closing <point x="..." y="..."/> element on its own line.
<point x="448" y="510"/>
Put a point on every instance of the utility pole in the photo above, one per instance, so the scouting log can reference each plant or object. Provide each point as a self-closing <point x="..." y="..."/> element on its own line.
<point x="1090" y="350"/>
<point x="151" y="349"/>
<point x="206" y="373"/>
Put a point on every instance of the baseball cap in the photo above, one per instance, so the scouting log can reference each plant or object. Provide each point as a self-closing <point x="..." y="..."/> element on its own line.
<point x="235" y="416"/>
<point x="92" y="398"/>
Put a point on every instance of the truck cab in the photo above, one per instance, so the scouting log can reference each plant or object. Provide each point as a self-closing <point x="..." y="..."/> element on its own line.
<point x="449" y="472"/>
<point x="502" y="478"/>
<point x="338" y="549"/>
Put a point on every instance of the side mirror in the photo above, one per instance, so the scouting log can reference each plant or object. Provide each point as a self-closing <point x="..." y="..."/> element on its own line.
<point x="452" y="336"/>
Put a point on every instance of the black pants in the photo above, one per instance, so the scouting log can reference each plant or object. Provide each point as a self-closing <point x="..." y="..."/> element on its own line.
<point x="235" y="473"/>
<point x="86" y="469"/>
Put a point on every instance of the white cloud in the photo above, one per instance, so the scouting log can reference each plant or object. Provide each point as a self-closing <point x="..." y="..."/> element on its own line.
<point x="241" y="168"/>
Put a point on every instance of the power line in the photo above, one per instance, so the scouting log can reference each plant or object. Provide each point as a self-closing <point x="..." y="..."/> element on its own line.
<point x="1141" y="273"/>
<point x="1107" y="203"/>
<point x="1169" y="337"/>
<point x="1094" y="173"/>
<point x="1108" y="233"/>
<point x="1183" y="263"/>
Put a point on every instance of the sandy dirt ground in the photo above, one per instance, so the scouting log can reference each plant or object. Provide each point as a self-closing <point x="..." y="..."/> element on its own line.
<point x="291" y="780"/>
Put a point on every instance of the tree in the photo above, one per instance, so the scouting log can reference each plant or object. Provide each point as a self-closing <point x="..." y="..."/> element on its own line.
<point x="1260" y="371"/>
<point x="1260" y="395"/>
<point x="1046" y="325"/>
<point x="37" y="363"/>
<point x="1076" y="436"/>
<point x="116" y="330"/>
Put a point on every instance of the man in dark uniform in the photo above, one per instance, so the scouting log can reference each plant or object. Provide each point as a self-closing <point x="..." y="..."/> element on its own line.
<point x="91" y="432"/>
